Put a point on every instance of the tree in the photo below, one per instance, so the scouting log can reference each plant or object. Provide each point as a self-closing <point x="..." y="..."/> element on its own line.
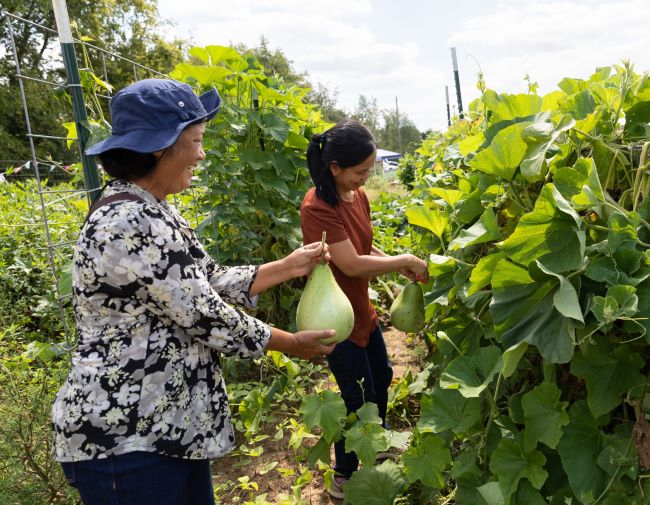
<point x="129" y="28"/>
<point x="406" y="141"/>
<point x="368" y="113"/>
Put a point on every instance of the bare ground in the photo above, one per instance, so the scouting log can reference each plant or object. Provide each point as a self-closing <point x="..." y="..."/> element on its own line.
<point x="229" y="469"/>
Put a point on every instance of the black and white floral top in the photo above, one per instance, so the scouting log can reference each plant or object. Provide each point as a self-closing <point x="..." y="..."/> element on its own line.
<point x="153" y="313"/>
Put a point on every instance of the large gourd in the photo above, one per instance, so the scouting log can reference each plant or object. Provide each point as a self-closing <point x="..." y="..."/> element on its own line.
<point x="323" y="305"/>
<point x="407" y="311"/>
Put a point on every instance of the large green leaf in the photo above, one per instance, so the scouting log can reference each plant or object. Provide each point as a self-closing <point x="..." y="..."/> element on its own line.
<point x="366" y="439"/>
<point x="504" y="154"/>
<point x="550" y="233"/>
<point x="486" y="229"/>
<point x="433" y="220"/>
<point x="447" y="409"/>
<point x="426" y="461"/>
<point x="544" y="415"/>
<point x="541" y="137"/>
<point x="326" y="409"/>
<point x="511" y="463"/>
<point x="524" y="310"/>
<point x="483" y="271"/>
<point x="609" y="372"/>
<point x="580" y="184"/>
<point x="377" y="485"/>
<point x="472" y="374"/>
<point x="565" y="298"/>
<point x="579" y="448"/>
<point x="506" y="106"/>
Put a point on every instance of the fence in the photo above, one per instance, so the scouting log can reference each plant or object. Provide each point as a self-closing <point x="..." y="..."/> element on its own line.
<point x="41" y="170"/>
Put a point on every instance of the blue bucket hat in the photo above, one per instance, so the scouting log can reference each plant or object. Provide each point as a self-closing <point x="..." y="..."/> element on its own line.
<point x="151" y="114"/>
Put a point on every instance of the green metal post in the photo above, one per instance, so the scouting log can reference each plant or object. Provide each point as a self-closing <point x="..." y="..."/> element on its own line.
<point x="88" y="163"/>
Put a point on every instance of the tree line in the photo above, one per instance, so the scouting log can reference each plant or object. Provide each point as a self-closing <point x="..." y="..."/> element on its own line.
<point x="133" y="29"/>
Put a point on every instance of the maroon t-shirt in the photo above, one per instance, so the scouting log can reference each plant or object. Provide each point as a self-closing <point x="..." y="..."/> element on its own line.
<point x="348" y="220"/>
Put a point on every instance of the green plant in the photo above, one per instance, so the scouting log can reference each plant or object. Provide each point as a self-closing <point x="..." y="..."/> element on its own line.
<point x="255" y="173"/>
<point x="534" y="213"/>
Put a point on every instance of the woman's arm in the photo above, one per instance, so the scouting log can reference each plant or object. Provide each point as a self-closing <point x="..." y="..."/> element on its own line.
<point x="304" y="344"/>
<point x="300" y="262"/>
<point x="352" y="264"/>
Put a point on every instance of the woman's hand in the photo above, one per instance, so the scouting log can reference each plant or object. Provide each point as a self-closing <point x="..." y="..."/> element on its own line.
<point x="417" y="270"/>
<point x="309" y="345"/>
<point x="303" y="260"/>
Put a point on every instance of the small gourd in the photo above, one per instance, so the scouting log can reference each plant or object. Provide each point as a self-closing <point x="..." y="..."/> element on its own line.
<point x="407" y="311"/>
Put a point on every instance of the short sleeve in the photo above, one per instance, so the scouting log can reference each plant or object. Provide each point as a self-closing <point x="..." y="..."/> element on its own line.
<point x="317" y="217"/>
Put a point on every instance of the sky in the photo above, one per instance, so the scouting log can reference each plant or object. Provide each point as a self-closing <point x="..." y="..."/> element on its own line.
<point x="401" y="49"/>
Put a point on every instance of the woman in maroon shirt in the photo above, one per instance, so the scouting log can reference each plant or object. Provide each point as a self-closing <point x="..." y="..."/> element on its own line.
<point x="340" y="161"/>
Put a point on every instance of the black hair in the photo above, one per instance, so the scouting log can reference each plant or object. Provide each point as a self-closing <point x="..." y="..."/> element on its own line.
<point x="126" y="164"/>
<point x="347" y="143"/>
<point x="129" y="165"/>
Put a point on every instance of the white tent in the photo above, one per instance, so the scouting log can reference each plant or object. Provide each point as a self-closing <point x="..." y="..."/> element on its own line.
<point x="386" y="161"/>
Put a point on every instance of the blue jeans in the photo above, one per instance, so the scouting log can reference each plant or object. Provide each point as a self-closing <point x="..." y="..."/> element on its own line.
<point x="350" y="364"/>
<point x="141" y="478"/>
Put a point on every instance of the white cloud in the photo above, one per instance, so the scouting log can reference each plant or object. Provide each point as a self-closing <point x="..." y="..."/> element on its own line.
<point x="339" y="46"/>
<point x="550" y="41"/>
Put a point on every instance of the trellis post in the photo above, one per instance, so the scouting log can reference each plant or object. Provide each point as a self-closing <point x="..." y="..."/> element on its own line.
<point x="88" y="163"/>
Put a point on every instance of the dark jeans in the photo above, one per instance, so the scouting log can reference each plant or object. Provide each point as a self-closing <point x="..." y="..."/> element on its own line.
<point x="141" y="478"/>
<point x="350" y="364"/>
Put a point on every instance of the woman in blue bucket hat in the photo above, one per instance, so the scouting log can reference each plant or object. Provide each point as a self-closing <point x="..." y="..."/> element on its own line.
<point x="144" y="407"/>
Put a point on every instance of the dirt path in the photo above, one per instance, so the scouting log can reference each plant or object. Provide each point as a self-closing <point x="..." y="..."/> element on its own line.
<point x="232" y="468"/>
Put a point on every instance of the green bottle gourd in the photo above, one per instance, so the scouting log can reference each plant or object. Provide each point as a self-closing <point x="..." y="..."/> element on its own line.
<point x="407" y="311"/>
<point x="323" y="305"/>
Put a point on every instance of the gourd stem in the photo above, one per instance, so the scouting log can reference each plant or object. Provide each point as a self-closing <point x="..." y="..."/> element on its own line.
<point x="322" y="254"/>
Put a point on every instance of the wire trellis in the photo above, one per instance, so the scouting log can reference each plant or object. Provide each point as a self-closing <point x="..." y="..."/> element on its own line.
<point x="40" y="168"/>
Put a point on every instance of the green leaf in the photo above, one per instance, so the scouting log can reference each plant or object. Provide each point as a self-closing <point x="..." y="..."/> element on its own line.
<point x="486" y="229"/>
<point x="504" y="154"/>
<point x="541" y="136"/>
<point x="580" y="184"/>
<point x="550" y="233"/>
<point x="609" y="373"/>
<point x="506" y="106"/>
<point x="377" y="485"/>
<point x="447" y="409"/>
<point x="492" y="494"/>
<point x="450" y="196"/>
<point x="297" y="141"/>
<point x="472" y="374"/>
<point x="621" y="301"/>
<point x="320" y="451"/>
<point x="511" y="358"/>
<point x="366" y="439"/>
<point x="637" y="121"/>
<point x="369" y="413"/>
<point x="226" y="55"/>
<point x="565" y="299"/>
<point x="579" y="448"/>
<point x="482" y="273"/>
<point x="326" y="409"/>
<point x="619" y="457"/>
<point x="511" y="464"/>
<point x="426" y="461"/>
<point x="433" y="220"/>
<point x="544" y="415"/>
<point x="603" y="269"/>
<point x="275" y="125"/>
<point x="524" y="311"/>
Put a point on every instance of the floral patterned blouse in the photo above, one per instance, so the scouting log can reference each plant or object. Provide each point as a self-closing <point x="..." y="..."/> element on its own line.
<point x="153" y="313"/>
